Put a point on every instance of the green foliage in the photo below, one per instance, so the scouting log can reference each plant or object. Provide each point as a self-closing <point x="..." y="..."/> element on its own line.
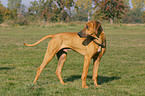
<point x="62" y="4"/>
<point x="84" y="6"/>
<point x="5" y="13"/>
<point x="13" y="13"/>
<point x="138" y="4"/>
<point x="52" y="10"/>
<point x="15" y="9"/>
<point x="143" y="16"/>
<point x="1" y="5"/>
<point x="110" y="9"/>
<point x="12" y="4"/>
<point x="79" y="16"/>
<point x="22" y="21"/>
<point x="134" y="16"/>
<point x="126" y="2"/>
<point x="1" y="12"/>
<point x="74" y="10"/>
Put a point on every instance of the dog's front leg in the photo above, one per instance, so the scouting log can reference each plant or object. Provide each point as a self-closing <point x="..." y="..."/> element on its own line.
<point x="96" y="66"/>
<point x="85" y="71"/>
<point x="95" y="70"/>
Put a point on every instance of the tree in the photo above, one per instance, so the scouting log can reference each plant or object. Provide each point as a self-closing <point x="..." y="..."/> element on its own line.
<point x="1" y="12"/>
<point x="1" y="5"/>
<point x="14" y="4"/>
<point x="22" y="9"/>
<point x="138" y="4"/>
<point x="53" y="10"/>
<point x="85" y="5"/>
<point x="126" y="2"/>
<point x="34" y="8"/>
<point x="5" y="13"/>
<point x="16" y="7"/>
<point x="110" y="9"/>
<point x="41" y="8"/>
<point x="134" y="16"/>
<point x="143" y="17"/>
<point x="63" y="7"/>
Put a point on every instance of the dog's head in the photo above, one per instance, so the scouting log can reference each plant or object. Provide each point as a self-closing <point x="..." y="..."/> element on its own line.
<point x="92" y="27"/>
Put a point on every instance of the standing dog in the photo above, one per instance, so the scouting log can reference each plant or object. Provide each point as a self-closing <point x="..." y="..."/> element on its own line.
<point x="89" y="42"/>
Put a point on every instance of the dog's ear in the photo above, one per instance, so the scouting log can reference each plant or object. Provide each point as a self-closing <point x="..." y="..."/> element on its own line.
<point x="88" y="40"/>
<point x="98" y="27"/>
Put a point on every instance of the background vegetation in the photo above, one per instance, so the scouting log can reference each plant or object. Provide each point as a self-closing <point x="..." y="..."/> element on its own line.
<point x="121" y="71"/>
<point x="120" y="11"/>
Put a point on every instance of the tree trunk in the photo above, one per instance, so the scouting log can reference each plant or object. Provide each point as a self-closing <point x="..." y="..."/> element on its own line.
<point x="88" y="16"/>
<point x="111" y="20"/>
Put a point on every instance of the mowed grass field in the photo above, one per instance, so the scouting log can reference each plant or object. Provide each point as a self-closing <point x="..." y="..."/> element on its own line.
<point x="121" y="71"/>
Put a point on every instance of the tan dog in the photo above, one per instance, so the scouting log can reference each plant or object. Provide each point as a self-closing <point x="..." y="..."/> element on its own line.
<point x="88" y="46"/>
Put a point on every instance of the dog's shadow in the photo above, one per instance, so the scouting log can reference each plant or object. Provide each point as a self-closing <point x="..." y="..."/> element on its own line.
<point x="100" y="80"/>
<point x="6" y="68"/>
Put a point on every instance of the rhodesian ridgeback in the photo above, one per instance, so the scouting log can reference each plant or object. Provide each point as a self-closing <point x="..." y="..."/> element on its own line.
<point x="89" y="42"/>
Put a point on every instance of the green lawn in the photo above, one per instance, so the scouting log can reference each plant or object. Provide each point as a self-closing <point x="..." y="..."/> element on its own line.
<point x="121" y="71"/>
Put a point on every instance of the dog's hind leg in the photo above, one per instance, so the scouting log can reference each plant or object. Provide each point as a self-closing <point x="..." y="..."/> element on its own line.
<point x="61" y="59"/>
<point x="52" y="49"/>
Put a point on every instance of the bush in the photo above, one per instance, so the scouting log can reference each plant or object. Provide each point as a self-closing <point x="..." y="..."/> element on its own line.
<point x="134" y="16"/>
<point x="33" y="18"/>
<point x="143" y="17"/>
<point x="1" y="19"/>
<point x="22" y="21"/>
<point x="80" y="16"/>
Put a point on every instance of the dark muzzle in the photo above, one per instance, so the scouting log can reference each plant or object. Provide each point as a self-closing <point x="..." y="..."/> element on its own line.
<point x="81" y="34"/>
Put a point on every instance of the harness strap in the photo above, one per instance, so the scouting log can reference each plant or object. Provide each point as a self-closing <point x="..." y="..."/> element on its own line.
<point x="99" y="44"/>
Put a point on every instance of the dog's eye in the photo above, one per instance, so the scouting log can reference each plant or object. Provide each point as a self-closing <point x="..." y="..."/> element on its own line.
<point x="87" y="27"/>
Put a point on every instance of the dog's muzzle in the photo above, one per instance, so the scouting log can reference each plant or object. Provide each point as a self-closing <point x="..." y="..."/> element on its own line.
<point x="81" y="34"/>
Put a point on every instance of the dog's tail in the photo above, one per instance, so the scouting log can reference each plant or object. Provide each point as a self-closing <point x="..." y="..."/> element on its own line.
<point x="48" y="36"/>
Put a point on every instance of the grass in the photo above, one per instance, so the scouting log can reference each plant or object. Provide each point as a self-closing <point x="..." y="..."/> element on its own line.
<point x="121" y="72"/>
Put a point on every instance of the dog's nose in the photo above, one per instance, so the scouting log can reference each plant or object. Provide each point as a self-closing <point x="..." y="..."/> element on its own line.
<point x="79" y="33"/>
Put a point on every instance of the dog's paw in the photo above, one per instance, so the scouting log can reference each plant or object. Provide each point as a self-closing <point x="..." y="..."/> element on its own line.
<point x="85" y="86"/>
<point x="64" y="84"/>
<point x="97" y="85"/>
